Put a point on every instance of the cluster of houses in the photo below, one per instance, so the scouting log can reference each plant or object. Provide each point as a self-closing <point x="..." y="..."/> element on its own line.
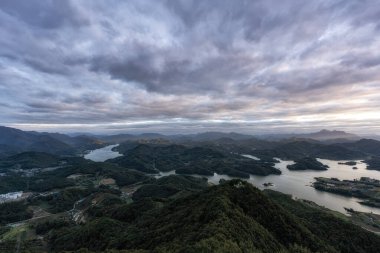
<point x="10" y="196"/>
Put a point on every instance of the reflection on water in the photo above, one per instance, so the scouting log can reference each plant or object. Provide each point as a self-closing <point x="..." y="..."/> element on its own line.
<point x="102" y="154"/>
<point x="297" y="183"/>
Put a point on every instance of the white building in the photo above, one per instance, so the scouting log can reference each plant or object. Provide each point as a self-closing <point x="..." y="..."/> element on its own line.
<point x="10" y="196"/>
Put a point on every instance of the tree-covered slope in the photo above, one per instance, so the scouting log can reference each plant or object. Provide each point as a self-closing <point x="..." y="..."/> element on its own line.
<point x="192" y="160"/>
<point x="231" y="217"/>
<point x="299" y="149"/>
<point x="166" y="187"/>
<point x="29" y="160"/>
<point x="325" y="224"/>
<point x="39" y="172"/>
<point x="13" y="141"/>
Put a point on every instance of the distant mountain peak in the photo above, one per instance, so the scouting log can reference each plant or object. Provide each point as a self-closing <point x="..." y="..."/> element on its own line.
<point x="13" y="141"/>
<point x="326" y="131"/>
<point x="325" y="134"/>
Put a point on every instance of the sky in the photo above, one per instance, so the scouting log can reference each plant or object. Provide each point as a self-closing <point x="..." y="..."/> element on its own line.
<point x="181" y="66"/>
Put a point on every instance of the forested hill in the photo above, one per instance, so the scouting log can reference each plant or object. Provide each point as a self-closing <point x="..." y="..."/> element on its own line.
<point x="13" y="141"/>
<point x="231" y="217"/>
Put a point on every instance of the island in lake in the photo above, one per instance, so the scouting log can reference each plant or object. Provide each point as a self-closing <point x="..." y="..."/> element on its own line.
<point x="307" y="163"/>
<point x="364" y="188"/>
<point x="350" y="163"/>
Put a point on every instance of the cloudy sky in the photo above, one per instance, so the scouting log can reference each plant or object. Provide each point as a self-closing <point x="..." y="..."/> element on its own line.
<point x="190" y="66"/>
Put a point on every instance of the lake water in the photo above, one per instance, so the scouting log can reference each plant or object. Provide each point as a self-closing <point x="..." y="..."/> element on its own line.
<point x="298" y="183"/>
<point x="102" y="154"/>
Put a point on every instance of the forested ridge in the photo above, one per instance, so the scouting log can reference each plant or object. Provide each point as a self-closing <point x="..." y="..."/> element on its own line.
<point x="231" y="217"/>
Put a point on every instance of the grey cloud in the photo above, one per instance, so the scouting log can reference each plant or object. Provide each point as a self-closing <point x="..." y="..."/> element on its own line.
<point x="361" y="60"/>
<point x="96" y="62"/>
<point x="179" y="76"/>
<point x="268" y="32"/>
<point x="368" y="12"/>
<point x="46" y="14"/>
<point x="42" y="66"/>
<point x="89" y="99"/>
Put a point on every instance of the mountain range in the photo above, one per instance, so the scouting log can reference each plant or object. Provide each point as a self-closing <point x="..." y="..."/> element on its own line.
<point x="131" y="203"/>
<point x="13" y="141"/>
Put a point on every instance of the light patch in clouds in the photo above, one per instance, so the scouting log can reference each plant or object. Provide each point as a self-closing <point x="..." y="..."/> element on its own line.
<point x="189" y="66"/>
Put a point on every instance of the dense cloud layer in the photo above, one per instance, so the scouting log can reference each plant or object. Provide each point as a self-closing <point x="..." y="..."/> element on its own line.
<point x="190" y="65"/>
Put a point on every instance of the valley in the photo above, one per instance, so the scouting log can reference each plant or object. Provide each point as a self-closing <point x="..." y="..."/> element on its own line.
<point x="118" y="186"/>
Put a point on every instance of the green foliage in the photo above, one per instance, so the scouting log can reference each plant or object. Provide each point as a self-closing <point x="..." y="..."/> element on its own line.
<point x="26" y="246"/>
<point x="105" y="201"/>
<point x="29" y="160"/>
<point x="307" y="163"/>
<point x="14" y="211"/>
<point x="39" y="183"/>
<point x="131" y="212"/>
<point x="96" y="235"/>
<point x="232" y="217"/>
<point x="57" y="179"/>
<point x="62" y="200"/>
<point x="299" y="149"/>
<point x="364" y="188"/>
<point x="122" y="175"/>
<point x="192" y="160"/>
<point x="154" y="191"/>
<point x="12" y="183"/>
<point x="47" y="182"/>
<point x="3" y="230"/>
<point x="373" y="163"/>
<point x="44" y="227"/>
<point x="369" y="146"/>
<point x="341" y="234"/>
<point x="168" y="186"/>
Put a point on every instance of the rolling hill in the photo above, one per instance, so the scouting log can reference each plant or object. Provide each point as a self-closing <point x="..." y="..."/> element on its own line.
<point x="231" y="217"/>
<point x="14" y="141"/>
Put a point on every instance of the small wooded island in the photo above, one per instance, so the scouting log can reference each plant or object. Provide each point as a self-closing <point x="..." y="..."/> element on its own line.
<point x="307" y="163"/>
<point x="364" y="188"/>
<point x="350" y="163"/>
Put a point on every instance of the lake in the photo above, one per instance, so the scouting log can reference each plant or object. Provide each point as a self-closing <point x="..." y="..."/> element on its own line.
<point x="296" y="183"/>
<point x="102" y="154"/>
